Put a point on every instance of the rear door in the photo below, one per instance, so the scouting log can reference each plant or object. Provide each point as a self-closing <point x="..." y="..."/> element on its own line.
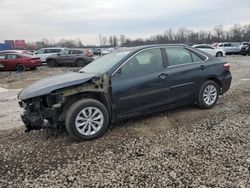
<point x="62" y="57"/>
<point x="185" y="73"/>
<point x="74" y="55"/>
<point x="10" y="61"/>
<point x="228" y="47"/>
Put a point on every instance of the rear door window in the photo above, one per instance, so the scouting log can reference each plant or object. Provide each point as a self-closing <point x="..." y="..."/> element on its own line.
<point x="196" y="58"/>
<point x="75" y="52"/>
<point x="11" y="56"/>
<point x="52" y="50"/>
<point x="178" y="56"/>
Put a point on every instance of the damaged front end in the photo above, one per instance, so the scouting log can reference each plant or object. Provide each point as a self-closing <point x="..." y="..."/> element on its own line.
<point x="48" y="111"/>
<point x="41" y="112"/>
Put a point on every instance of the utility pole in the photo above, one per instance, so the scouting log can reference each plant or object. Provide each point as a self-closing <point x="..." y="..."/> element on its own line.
<point x="100" y="38"/>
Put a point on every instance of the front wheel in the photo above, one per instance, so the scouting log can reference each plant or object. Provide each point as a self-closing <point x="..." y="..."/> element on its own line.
<point x="208" y="94"/>
<point x="52" y="63"/>
<point x="87" y="119"/>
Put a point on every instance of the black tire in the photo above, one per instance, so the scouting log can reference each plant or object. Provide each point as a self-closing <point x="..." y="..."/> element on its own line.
<point x="20" y="68"/>
<point x="201" y="99"/>
<point x="74" y="112"/>
<point x="80" y="63"/>
<point x="52" y="63"/>
<point x="219" y="54"/>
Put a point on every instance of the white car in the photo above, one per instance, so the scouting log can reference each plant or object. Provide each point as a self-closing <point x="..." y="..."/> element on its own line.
<point x="210" y="50"/>
<point x="43" y="53"/>
<point x="107" y="51"/>
<point x="229" y="48"/>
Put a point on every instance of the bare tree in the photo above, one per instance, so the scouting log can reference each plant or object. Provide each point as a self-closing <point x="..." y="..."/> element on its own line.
<point x="111" y="42"/>
<point x="104" y="41"/>
<point x="236" y="32"/>
<point x="181" y="33"/>
<point x="219" y="32"/>
<point x="122" y="40"/>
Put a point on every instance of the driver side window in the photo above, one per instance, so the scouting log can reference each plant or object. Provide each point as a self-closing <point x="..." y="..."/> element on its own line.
<point x="145" y="61"/>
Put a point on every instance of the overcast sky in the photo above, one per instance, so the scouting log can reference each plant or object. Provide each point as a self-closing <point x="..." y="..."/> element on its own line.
<point x="56" y="19"/>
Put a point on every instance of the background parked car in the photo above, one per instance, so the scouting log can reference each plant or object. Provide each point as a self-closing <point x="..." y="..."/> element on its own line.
<point x="43" y="53"/>
<point x="229" y="48"/>
<point x="17" y="51"/>
<point x="245" y="50"/>
<point x="211" y="50"/>
<point x="97" y="51"/>
<point x="107" y="51"/>
<point x="69" y="57"/>
<point x="88" y="52"/>
<point x="19" y="62"/>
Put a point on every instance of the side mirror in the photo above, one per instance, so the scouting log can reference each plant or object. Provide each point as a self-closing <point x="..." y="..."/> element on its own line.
<point x="58" y="54"/>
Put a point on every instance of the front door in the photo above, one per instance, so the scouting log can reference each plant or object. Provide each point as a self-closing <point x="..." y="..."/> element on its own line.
<point x="140" y="83"/>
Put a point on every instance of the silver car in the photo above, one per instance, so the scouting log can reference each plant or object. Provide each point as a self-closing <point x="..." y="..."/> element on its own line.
<point x="229" y="48"/>
<point x="211" y="50"/>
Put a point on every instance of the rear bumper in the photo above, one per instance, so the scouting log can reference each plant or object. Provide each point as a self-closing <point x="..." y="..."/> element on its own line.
<point x="226" y="83"/>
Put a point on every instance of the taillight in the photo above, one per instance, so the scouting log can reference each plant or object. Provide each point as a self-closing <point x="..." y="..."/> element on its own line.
<point x="226" y="66"/>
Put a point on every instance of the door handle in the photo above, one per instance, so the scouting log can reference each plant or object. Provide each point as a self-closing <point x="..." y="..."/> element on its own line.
<point x="163" y="76"/>
<point x="202" y="67"/>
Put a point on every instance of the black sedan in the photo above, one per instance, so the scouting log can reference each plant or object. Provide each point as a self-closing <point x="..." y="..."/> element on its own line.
<point x="245" y="50"/>
<point x="126" y="83"/>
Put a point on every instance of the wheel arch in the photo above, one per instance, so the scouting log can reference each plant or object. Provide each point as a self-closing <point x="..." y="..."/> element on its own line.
<point x="80" y="58"/>
<point x="217" y="81"/>
<point x="70" y="100"/>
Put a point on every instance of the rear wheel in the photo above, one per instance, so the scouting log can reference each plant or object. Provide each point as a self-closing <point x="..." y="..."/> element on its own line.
<point x="52" y="63"/>
<point x="80" y="63"/>
<point x="219" y="54"/>
<point x="208" y="94"/>
<point x="20" y="68"/>
<point x="87" y="119"/>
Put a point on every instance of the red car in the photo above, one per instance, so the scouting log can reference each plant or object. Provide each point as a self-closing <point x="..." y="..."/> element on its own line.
<point x="88" y="53"/>
<point x="19" y="62"/>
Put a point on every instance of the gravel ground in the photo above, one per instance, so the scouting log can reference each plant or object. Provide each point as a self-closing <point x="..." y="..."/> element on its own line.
<point x="184" y="147"/>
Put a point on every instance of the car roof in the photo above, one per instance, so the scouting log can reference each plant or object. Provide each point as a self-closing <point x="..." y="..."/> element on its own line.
<point x="202" y="45"/>
<point x="159" y="45"/>
<point x="52" y="48"/>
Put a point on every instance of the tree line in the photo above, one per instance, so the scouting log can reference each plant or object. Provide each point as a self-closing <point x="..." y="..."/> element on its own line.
<point x="237" y="33"/>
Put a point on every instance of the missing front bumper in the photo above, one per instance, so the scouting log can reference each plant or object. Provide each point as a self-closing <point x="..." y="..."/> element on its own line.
<point x="41" y="120"/>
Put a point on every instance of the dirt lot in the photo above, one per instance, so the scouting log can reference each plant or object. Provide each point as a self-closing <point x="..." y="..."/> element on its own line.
<point x="185" y="147"/>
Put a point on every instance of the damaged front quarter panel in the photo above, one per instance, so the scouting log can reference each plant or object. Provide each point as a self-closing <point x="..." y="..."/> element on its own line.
<point x="96" y="84"/>
<point x="48" y="111"/>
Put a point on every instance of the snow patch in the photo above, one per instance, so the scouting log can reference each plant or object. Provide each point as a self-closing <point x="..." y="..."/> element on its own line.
<point x="3" y="90"/>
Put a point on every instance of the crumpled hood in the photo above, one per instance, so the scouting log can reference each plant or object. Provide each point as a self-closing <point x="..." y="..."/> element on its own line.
<point x="47" y="85"/>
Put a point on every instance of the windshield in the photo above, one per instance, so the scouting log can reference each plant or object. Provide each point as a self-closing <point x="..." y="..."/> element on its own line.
<point x="104" y="63"/>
